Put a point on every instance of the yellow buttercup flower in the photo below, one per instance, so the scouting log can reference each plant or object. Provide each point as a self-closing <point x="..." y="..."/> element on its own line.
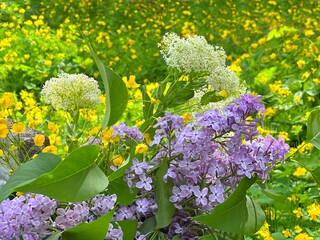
<point x="297" y="229"/>
<point x="303" y="236"/>
<point x="18" y="127"/>
<point x="141" y="148"/>
<point x="50" y="149"/>
<point x="300" y="172"/>
<point x="286" y="233"/>
<point x="298" y="212"/>
<point x="117" y="160"/>
<point x="39" y="140"/>
<point x="313" y="211"/>
<point x="7" y="100"/>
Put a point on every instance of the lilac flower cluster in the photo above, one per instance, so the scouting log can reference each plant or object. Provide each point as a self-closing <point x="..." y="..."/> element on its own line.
<point x="124" y="131"/>
<point x="34" y="216"/>
<point x="136" y="175"/>
<point x="213" y="153"/>
<point x="28" y="216"/>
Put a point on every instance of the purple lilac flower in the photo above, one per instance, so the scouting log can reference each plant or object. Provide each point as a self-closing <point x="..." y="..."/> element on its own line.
<point x="145" y="206"/>
<point x="28" y="215"/>
<point x="102" y="204"/>
<point x="71" y="216"/>
<point x="136" y="175"/>
<point x="123" y="130"/>
<point x="201" y="195"/>
<point x="114" y="233"/>
<point x="125" y="213"/>
<point x="144" y="182"/>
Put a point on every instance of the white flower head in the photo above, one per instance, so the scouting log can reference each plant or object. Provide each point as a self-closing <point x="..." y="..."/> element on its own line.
<point x="71" y="92"/>
<point x="192" y="54"/>
<point x="222" y="78"/>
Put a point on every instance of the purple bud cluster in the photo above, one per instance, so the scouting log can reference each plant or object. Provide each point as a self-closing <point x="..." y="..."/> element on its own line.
<point x="34" y="216"/>
<point x="213" y="153"/>
<point x="124" y="131"/>
<point x="28" y="216"/>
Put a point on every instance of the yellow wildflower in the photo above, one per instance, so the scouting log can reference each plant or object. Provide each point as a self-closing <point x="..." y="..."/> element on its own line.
<point x="286" y="233"/>
<point x="117" y="160"/>
<point x="313" y="211"/>
<point x="1" y="153"/>
<point x="300" y="172"/>
<point x="269" y="112"/>
<point x="107" y="137"/>
<point x="50" y="149"/>
<point x="297" y="229"/>
<point x="303" y="236"/>
<point x="39" y="140"/>
<point x="284" y="135"/>
<point x="301" y="63"/>
<point x="311" y="99"/>
<point x="18" y="127"/>
<point x="187" y="117"/>
<point x="7" y="100"/>
<point x="298" y="212"/>
<point x="19" y="194"/>
<point x="141" y="148"/>
<point x="131" y="83"/>
<point x="3" y="130"/>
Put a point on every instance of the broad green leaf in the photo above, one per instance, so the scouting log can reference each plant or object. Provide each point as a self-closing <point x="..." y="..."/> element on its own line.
<point x="115" y="89"/>
<point x="250" y="216"/>
<point x="163" y="189"/>
<point x="75" y="179"/>
<point x="125" y="195"/>
<point x="97" y="229"/>
<point x="129" y="228"/>
<point x="148" y="225"/>
<point x="313" y="128"/>
<point x="27" y="172"/>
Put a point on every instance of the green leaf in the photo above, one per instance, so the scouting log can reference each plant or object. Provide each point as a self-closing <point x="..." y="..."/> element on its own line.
<point x="125" y="195"/>
<point x="210" y="97"/>
<point x="43" y="163"/>
<point x="129" y="228"/>
<point x="250" y="216"/>
<point x="316" y="175"/>
<point x="148" y="225"/>
<point x="313" y="128"/>
<point x="76" y="178"/>
<point x="97" y="229"/>
<point x="178" y="93"/>
<point x="115" y="89"/>
<point x="163" y="189"/>
<point x="147" y="105"/>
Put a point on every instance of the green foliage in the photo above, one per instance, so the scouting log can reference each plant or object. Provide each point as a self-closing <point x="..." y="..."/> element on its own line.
<point x="116" y="92"/>
<point x="28" y="172"/>
<point x="93" y="230"/>
<point x="76" y="178"/>
<point x="250" y="216"/>
<point x="313" y="131"/>
<point x="165" y="209"/>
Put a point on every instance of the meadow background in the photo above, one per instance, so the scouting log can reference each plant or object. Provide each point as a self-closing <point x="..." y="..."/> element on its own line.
<point x="274" y="46"/>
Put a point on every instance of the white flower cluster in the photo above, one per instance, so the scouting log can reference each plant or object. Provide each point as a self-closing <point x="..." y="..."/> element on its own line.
<point x="194" y="54"/>
<point x="71" y="92"/>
